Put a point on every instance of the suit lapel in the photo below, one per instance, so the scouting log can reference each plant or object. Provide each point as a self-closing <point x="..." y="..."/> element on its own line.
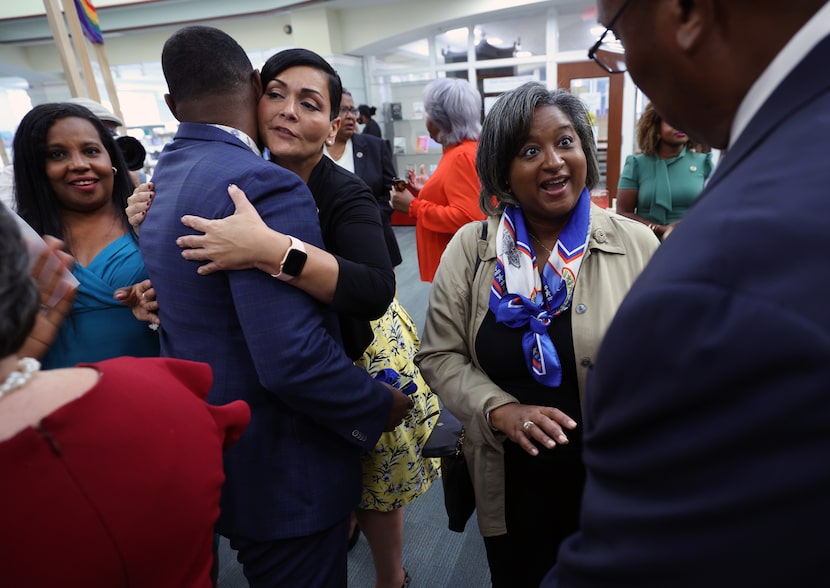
<point x="359" y="155"/>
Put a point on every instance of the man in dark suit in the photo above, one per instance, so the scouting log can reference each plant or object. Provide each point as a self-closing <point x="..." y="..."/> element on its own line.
<point x="372" y="162"/>
<point x="707" y="415"/>
<point x="295" y="474"/>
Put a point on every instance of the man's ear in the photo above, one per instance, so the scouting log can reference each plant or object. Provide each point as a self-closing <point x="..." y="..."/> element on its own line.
<point x="256" y="81"/>
<point x="171" y="105"/>
<point x="694" y="20"/>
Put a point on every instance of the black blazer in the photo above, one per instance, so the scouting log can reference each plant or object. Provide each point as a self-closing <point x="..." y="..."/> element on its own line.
<point x="352" y="232"/>
<point x="373" y="163"/>
<point x="372" y="128"/>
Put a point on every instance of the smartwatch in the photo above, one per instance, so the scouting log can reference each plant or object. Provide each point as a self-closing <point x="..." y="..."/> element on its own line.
<point x="293" y="262"/>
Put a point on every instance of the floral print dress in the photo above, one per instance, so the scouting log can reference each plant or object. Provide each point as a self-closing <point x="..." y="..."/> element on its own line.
<point x="394" y="472"/>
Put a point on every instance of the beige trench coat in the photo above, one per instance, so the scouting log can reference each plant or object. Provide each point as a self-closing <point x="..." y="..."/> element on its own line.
<point x="618" y="249"/>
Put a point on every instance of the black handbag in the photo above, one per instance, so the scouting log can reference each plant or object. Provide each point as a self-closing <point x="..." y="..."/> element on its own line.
<point x="446" y="441"/>
<point x="446" y="438"/>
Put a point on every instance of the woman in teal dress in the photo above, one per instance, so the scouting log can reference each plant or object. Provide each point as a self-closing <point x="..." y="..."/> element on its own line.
<point x="659" y="185"/>
<point x="71" y="182"/>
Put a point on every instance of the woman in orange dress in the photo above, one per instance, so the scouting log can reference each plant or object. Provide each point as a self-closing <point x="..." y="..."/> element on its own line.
<point x="448" y="199"/>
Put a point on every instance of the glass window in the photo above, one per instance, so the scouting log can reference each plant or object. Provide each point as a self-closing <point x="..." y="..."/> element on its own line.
<point x="595" y="93"/>
<point x="578" y="31"/>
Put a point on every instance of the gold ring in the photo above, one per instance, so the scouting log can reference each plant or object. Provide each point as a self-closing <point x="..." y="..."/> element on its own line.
<point x="527" y="424"/>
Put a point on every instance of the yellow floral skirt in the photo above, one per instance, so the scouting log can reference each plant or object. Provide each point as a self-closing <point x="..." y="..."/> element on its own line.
<point x="394" y="472"/>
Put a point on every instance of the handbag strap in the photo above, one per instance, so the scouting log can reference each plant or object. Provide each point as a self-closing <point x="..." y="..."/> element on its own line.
<point x="459" y="446"/>
<point x="482" y="237"/>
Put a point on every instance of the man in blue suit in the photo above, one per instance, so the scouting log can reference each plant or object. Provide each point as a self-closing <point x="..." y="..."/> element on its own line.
<point x="295" y="475"/>
<point x="707" y="415"/>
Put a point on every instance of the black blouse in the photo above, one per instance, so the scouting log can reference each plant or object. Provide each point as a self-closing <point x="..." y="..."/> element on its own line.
<point x="500" y="353"/>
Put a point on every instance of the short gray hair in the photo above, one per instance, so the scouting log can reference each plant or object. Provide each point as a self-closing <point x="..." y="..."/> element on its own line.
<point x="506" y="129"/>
<point x="455" y="108"/>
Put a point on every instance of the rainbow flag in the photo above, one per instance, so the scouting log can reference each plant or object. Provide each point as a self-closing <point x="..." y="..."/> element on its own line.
<point x="89" y="21"/>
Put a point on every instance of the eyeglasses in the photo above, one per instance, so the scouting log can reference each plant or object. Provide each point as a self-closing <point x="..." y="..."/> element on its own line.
<point x="344" y="110"/>
<point x="610" y="55"/>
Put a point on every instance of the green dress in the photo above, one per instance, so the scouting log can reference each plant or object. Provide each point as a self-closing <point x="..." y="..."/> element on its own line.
<point x="666" y="188"/>
<point x="394" y="472"/>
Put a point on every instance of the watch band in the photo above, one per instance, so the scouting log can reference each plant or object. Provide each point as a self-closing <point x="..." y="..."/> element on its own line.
<point x="293" y="261"/>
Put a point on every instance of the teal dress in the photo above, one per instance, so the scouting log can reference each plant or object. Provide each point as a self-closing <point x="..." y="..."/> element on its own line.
<point x="666" y="188"/>
<point x="99" y="327"/>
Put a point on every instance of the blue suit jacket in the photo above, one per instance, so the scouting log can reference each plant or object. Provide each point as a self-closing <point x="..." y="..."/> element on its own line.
<point x="708" y="411"/>
<point x="296" y="469"/>
<point x="374" y="165"/>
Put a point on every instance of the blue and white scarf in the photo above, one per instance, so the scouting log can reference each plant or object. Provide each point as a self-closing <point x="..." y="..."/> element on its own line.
<point x="521" y="298"/>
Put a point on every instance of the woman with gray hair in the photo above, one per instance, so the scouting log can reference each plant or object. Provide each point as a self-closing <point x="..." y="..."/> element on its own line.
<point x="519" y="305"/>
<point x="447" y="200"/>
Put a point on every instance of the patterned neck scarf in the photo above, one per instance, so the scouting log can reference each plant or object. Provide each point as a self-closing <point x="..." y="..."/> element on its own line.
<point x="521" y="298"/>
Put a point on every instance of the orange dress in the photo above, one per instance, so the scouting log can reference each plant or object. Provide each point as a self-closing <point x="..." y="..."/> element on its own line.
<point x="448" y="200"/>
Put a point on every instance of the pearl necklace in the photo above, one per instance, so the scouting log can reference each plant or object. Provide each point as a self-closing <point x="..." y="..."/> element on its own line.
<point x="26" y="368"/>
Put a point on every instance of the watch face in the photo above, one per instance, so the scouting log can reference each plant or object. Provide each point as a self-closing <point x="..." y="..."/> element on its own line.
<point x="294" y="262"/>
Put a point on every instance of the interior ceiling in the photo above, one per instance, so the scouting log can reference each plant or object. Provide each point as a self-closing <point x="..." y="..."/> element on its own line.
<point x="29" y="25"/>
<point x="24" y="22"/>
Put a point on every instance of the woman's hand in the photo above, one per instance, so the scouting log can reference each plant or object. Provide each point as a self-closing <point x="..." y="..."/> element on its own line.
<point x="141" y="298"/>
<point x="664" y="231"/>
<point x="416" y="182"/>
<point x="56" y="297"/>
<point x="139" y="203"/>
<point x="523" y="423"/>
<point x="400" y="201"/>
<point x="233" y="242"/>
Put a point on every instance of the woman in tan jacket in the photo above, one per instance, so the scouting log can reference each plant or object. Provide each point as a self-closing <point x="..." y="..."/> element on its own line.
<point x="516" y="317"/>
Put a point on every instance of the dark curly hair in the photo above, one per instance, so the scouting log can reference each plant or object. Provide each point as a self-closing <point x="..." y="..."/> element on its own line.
<point x="18" y="294"/>
<point x="35" y="199"/>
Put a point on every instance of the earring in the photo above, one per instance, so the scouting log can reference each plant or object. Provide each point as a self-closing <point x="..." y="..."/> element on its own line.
<point x="329" y="142"/>
<point x="114" y="170"/>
